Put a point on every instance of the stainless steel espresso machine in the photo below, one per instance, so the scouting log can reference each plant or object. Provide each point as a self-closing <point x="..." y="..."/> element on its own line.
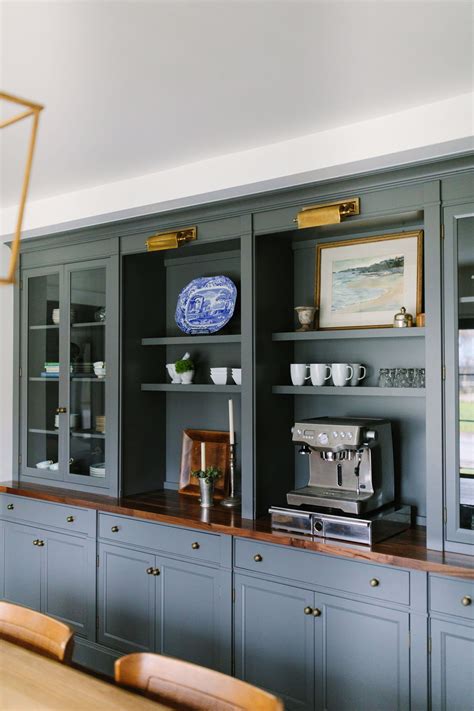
<point x="351" y="489"/>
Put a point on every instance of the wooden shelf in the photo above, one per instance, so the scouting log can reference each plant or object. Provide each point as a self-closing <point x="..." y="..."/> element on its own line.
<point x="190" y="340"/>
<point x="349" y="334"/>
<point x="357" y="391"/>
<point x="178" y="388"/>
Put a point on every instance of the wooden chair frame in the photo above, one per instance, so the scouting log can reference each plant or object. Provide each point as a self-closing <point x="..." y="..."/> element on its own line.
<point x="37" y="632"/>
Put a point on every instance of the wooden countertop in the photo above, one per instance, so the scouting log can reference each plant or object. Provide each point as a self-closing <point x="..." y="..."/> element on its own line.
<point x="31" y="682"/>
<point x="407" y="550"/>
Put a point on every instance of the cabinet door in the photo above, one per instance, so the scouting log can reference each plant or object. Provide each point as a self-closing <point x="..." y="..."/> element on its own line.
<point x="126" y="599"/>
<point x="22" y="565"/>
<point x="452" y="666"/>
<point x="362" y="656"/>
<point x="68" y="591"/>
<point x="274" y="639"/>
<point x="194" y="613"/>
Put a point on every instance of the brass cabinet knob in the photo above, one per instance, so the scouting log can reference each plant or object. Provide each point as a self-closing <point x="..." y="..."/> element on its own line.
<point x="316" y="612"/>
<point x="61" y="410"/>
<point x="466" y="600"/>
<point x="35" y="542"/>
<point x="40" y="543"/>
<point x="69" y="519"/>
<point x="195" y="546"/>
<point x="156" y="571"/>
<point x="257" y="558"/>
<point x="115" y="529"/>
<point x="374" y="583"/>
<point x="149" y="571"/>
<point x="308" y="610"/>
<point x="10" y="507"/>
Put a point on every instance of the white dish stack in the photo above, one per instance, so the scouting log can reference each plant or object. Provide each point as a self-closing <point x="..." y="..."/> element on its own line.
<point x="98" y="470"/>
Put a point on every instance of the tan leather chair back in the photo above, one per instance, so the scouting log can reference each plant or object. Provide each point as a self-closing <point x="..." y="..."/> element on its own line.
<point x="35" y="631"/>
<point x="188" y="687"/>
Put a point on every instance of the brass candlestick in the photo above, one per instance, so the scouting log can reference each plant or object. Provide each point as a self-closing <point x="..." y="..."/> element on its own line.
<point x="232" y="500"/>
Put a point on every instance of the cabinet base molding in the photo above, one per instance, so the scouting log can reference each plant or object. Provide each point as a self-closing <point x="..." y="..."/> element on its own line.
<point x="94" y="656"/>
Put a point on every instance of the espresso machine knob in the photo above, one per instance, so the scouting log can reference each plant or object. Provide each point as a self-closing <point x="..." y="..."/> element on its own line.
<point x="323" y="438"/>
<point x="370" y="436"/>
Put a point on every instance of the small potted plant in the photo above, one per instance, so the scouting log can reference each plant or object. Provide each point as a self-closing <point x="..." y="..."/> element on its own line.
<point x="185" y="369"/>
<point x="207" y="479"/>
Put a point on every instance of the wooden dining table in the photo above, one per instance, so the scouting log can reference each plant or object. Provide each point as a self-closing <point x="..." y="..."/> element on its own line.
<point x="31" y="682"/>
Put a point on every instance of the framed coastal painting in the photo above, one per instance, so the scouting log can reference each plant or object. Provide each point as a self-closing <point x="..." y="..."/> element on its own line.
<point x="362" y="283"/>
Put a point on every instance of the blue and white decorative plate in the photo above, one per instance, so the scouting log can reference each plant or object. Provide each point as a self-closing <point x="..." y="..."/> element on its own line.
<point x="206" y="304"/>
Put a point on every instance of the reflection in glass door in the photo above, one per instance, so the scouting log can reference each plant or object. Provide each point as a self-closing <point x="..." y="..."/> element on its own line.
<point x="42" y="451"/>
<point x="88" y="367"/>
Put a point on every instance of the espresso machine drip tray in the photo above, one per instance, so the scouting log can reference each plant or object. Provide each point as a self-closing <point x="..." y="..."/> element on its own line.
<point x="370" y="529"/>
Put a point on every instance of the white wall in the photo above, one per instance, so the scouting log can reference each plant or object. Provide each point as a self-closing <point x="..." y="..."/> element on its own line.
<point x="6" y="369"/>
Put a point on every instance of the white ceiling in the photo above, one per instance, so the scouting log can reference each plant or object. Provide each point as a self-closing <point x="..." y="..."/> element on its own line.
<point x="132" y="88"/>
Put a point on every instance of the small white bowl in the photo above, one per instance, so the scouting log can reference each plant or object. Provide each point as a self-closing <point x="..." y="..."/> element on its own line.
<point x="237" y="375"/>
<point x="219" y="378"/>
<point x="54" y="467"/>
<point x="44" y="465"/>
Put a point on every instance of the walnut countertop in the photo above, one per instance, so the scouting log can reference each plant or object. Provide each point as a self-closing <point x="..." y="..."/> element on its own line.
<point x="407" y="550"/>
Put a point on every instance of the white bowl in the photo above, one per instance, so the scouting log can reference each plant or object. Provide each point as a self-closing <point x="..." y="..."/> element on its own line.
<point x="219" y="378"/>
<point x="54" y="467"/>
<point x="44" y="465"/>
<point x="237" y="375"/>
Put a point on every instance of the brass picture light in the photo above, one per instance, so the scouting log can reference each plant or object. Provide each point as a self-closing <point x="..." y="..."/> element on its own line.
<point x="30" y="110"/>
<point x="171" y="240"/>
<point x="330" y="213"/>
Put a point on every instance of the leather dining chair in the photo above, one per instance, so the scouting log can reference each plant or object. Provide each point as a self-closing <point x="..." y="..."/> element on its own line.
<point x="188" y="687"/>
<point x="35" y="631"/>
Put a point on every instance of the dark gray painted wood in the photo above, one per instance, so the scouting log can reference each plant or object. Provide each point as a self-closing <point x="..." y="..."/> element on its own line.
<point x="126" y="599"/>
<point x="452" y="664"/>
<point x="274" y="639"/>
<point x="22" y="565"/>
<point x="362" y="656"/>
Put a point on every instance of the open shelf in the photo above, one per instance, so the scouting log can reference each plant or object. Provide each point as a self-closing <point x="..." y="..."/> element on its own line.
<point x="190" y="340"/>
<point x="357" y="391"/>
<point x="178" y="388"/>
<point x="349" y="333"/>
<point x="44" y="327"/>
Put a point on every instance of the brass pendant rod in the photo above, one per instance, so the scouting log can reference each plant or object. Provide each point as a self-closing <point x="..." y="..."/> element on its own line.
<point x="14" y="119"/>
<point x="23" y="102"/>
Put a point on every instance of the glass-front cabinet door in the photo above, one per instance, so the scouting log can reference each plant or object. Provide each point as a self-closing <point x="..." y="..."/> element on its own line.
<point x="459" y="358"/>
<point x="70" y="392"/>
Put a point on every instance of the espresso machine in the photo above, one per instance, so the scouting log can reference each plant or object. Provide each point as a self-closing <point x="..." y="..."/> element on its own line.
<point x="351" y="489"/>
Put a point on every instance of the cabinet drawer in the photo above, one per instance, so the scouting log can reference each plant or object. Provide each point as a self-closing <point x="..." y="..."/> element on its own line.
<point x="381" y="582"/>
<point x="159" y="537"/>
<point x="452" y="596"/>
<point x="45" y="513"/>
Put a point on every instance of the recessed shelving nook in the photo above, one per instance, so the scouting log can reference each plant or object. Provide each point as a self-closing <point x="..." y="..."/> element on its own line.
<point x="156" y="411"/>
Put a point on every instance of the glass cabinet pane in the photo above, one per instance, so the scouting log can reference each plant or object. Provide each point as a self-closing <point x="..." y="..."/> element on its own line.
<point x="43" y="372"/>
<point x="87" y="372"/>
<point x="466" y="370"/>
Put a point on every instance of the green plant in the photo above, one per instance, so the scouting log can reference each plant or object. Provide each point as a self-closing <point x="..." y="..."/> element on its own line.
<point x="211" y="474"/>
<point x="183" y="365"/>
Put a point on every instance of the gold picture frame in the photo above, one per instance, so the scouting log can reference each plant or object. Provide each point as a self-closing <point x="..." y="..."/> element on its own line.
<point x="334" y="295"/>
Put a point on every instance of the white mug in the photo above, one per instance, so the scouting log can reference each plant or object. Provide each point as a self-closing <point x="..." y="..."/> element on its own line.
<point x="341" y="373"/>
<point x="360" y="371"/>
<point x="298" y="373"/>
<point x="319" y="372"/>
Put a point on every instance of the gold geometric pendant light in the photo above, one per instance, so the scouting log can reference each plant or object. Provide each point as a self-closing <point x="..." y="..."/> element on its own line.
<point x="32" y="110"/>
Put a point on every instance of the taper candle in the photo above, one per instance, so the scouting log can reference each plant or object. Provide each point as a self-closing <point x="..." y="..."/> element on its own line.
<point x="203" y="456"/>
<point x="231" y="423"/>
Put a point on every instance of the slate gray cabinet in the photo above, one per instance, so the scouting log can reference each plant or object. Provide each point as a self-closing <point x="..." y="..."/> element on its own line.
<point x="51" y="572"/>
<point x="69" y="416"/>
<point x="154" y="603"/>
<point x="452" y="666"/>
<point x="320" y="651"/>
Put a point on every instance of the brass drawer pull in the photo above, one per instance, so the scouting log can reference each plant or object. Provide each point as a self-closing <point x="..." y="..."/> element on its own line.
<point x="115" y="529"/>
<point x="374" y="583"/>
<point x="308" y="610"/>
<point x="70" y="519"/>
<point x="195" y="546"/>
<point x="61" y="410"/>
<point x="466" y="600"/>
<point x="156" y="571"/>
<point x="316" y="612"/>
<point x="10" y="507"/>
<point x="149" y="571"/>
<point x="257" y="558"/>
<point x="35" y="542"/>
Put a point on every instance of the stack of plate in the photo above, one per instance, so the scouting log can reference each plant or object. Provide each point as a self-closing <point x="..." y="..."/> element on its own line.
<point x="83" y="369"/>
<point x="100" y="424"/>
<point x="98" y="470"/>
